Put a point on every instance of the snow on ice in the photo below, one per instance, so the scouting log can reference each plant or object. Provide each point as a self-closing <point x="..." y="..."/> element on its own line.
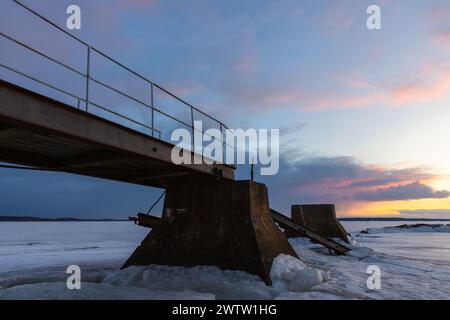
<point x="414" y="265"/>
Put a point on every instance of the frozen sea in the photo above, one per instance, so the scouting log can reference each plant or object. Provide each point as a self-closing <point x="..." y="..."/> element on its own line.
<point x="414" y="264"/>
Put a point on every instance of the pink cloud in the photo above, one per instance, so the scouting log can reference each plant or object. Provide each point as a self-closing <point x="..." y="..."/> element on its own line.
<point x="424" y="85"/>
<point x="431" y="84"/>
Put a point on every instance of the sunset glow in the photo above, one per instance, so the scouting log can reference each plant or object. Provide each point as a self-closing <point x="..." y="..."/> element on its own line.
<point x="363" y="114"/>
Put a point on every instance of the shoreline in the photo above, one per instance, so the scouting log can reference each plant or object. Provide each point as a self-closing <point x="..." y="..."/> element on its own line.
<point x="37" y="219"/>
<point x="70" y="219"/>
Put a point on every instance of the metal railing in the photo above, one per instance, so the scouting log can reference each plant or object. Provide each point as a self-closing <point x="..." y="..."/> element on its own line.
<point x="90" y="79"/>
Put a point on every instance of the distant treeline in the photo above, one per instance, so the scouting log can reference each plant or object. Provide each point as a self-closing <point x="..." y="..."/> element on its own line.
<point x="392" y="219"/>
<point x="25" y="219"/>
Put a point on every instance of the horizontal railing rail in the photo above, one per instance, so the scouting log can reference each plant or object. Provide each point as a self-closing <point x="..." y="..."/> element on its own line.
<point x="90" y="80"/>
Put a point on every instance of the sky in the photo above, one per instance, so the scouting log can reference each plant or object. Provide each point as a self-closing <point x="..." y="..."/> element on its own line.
<point x="363" y="114"/>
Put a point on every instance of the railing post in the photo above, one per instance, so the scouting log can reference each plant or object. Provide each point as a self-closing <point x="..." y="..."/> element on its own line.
<point x="153" y="110"/>
<point x="87" y="74"/>
<point x="88" y="69"/>
<point x="193" y="131"/>
<point x="223" y="143"/>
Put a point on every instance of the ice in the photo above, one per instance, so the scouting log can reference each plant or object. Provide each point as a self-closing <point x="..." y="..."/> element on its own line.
<point x="292" y="274"/>
<point x="34" y="257"/>
<point x="95" y="291"/>
<point x="410" y="228"/>
<point x="25" y="245"/>
<point x="205" y="279"/>
<point x="153" y="282"/>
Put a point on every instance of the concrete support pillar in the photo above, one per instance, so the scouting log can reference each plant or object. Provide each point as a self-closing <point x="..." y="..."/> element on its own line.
<point x="319" y="218"/>
<point x="222" y="223"/>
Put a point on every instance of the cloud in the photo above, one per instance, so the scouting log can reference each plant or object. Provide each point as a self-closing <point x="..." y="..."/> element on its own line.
<point x="348" y="172"/>
<point x="344" y="180"/>
<point x="415" y="190"/>
<point x="428" y="84"/>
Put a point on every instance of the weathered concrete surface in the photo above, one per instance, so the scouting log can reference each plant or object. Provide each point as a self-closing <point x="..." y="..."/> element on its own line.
<point x="38" y="131"/>
<point x="222" y="223"/>
<point x="320" y="218"/>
